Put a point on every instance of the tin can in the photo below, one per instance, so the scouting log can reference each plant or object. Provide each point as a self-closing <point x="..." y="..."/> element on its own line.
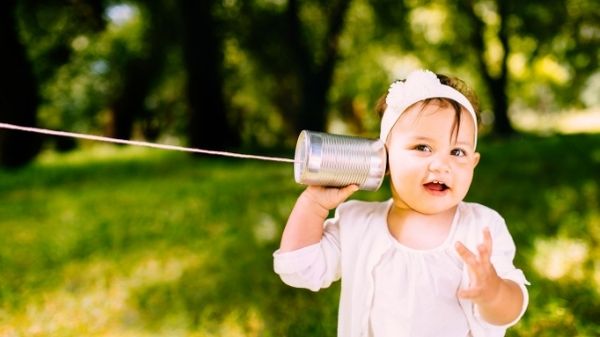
<point x="337" y="160"/>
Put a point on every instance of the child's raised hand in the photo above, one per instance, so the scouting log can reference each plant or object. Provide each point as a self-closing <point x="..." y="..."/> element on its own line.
<point x="329" y="197"/>
<point x="485" y="282"/>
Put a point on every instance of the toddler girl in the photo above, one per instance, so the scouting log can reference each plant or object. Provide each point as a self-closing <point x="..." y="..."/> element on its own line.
<point x="424" y="263"/>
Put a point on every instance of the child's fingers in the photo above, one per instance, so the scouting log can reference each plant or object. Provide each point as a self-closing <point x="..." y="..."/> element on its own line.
<point x="485" y="248"/>
<point x="347" y="191"/>
<point x="472" y="261"/>
<point x="341" y="194"/>
<point x="330" y="197"/>
<point x="487" y="240"/>
<point x="487" y="237"/>
<point x="484" y="253"/>
<point x="465" y="254"/>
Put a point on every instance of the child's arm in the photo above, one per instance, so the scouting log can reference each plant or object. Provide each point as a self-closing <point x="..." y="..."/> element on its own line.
<point x="305" y="224"/>
<point x="500" y="301"/>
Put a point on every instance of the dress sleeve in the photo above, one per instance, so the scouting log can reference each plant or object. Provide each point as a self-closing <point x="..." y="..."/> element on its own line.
<point x="316" y="266"/>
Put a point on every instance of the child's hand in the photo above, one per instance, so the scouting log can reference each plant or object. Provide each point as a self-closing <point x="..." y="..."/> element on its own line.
<point x="328" y="197"/>
<point x="485" y="283"/>
<point x="305" y="224"/>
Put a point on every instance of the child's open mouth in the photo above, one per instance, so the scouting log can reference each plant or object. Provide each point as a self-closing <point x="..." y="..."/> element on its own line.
<point x="437" y="186"/>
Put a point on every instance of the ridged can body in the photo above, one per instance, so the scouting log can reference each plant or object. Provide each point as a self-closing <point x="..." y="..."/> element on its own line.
<point x="336" y="160"/>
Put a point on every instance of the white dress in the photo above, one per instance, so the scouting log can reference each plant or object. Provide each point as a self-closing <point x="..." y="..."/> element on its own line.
<point x="387" y="287"/>
<point x="434" y="276"/>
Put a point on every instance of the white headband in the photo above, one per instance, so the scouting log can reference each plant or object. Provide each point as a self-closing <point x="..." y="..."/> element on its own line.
<point x="419" y="85"/>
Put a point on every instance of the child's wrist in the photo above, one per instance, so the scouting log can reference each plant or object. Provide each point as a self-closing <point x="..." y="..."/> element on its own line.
<point x="501" y="302"/>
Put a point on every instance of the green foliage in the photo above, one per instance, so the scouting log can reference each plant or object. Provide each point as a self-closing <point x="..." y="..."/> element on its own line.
<point x="82" y="54"/>
<point x="129" y="242"/>
<point x="552" y="46"/>
<point x="82" y="66"/>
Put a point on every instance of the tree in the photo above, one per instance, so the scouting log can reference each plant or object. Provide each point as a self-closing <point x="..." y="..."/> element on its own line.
<point x="140" y="72"/>
<point x="298" y="52"/>
<point x="482" y="37"/>
<point x="47" y="31"/>
<point x="202" y="57"/>
<point x="561" y="39"/>
<point x="315" y="75"/>
<point x="496" y="82"/>
<point x="18" y="93"/>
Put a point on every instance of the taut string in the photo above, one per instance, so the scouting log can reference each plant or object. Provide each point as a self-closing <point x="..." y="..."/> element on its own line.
<point x="140" y="143"/>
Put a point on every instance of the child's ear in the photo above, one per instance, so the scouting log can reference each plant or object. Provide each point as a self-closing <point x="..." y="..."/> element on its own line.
<point x="476" y="157"/>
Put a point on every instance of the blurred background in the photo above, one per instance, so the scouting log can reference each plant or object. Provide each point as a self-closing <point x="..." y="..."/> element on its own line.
<point x="102" y="240"/>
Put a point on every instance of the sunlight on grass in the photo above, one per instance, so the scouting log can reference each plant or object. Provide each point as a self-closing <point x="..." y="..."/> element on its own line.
<point x="93" y="299"/>
<point x="558" y="258"/>
<point x="121" y="241"/>
<point x="568" y="254"/>
<point x="235" y="324"/>
<point x="266" y="229"/>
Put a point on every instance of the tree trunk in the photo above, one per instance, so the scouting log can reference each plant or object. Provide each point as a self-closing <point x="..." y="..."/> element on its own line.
<point x="18" y="94"/>
<point x="140" y="75"/>
<point x="202" y="51"/>
<point x="316" y="78"/>
<point x="502" y="125"/>
<point x="129" y="104"/>
<point x="126" y="106"/>
<point x="496" y="85"/>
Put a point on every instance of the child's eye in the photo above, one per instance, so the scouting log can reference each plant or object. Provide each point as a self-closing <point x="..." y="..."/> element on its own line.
<point x="423" y="148"/>
<point x="458" y="152"/>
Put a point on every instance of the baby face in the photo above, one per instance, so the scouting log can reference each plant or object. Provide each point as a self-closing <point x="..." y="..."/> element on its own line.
<point x="431" y="162"/>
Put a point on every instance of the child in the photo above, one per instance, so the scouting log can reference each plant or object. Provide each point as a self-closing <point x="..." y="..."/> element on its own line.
<point x="423" y="263"/>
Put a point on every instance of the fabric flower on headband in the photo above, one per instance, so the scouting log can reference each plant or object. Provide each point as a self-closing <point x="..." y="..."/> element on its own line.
<point x="419" y="85"/>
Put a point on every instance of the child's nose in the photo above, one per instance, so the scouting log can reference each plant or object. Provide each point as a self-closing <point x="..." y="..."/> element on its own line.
<point x="439" y="164"/>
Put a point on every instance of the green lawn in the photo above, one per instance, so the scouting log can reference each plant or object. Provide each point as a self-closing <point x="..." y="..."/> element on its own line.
<point x="137" y="242"/>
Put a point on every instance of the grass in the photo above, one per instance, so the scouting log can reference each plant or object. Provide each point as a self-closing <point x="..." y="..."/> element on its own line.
<point x="137" y="242"/>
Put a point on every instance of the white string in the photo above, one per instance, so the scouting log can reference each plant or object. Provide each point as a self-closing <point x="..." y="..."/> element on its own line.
<point x="140" y="143"/>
